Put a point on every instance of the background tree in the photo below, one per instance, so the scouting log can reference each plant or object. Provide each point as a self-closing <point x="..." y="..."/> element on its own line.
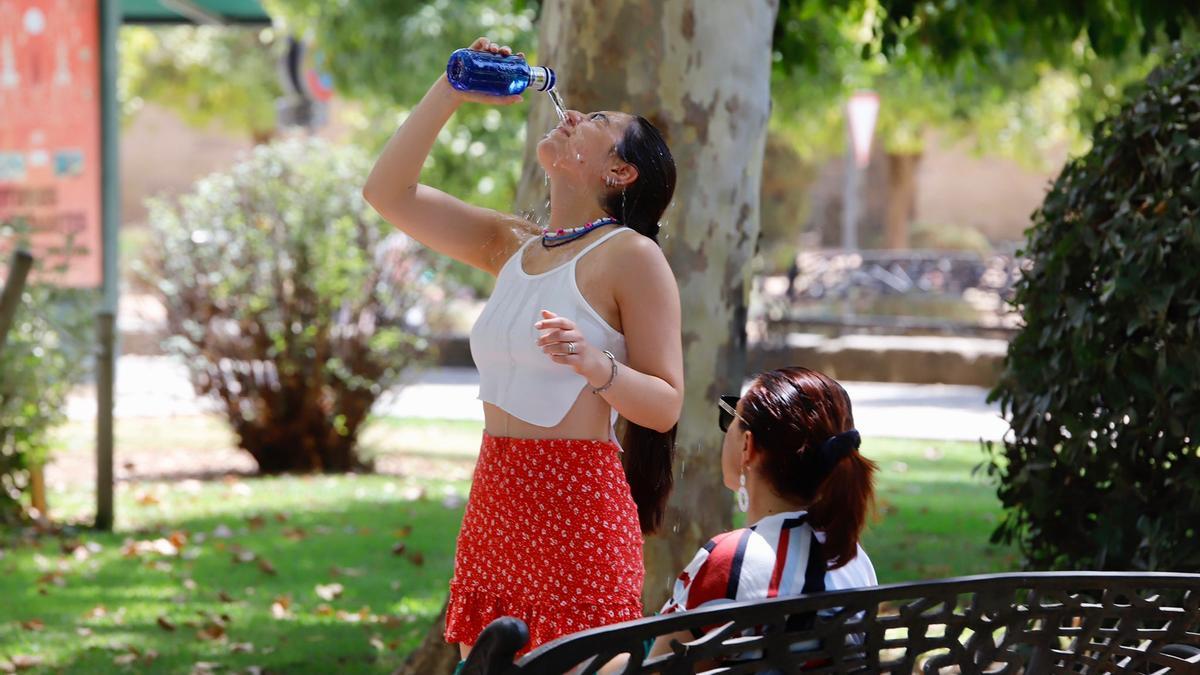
<point x="293" y="305"/>
<point x="1102" y="470"/>
<point x="209" y="76"/>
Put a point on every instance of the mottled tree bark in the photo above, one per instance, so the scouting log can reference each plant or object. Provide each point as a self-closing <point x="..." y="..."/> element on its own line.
<point x="700" y="71"/>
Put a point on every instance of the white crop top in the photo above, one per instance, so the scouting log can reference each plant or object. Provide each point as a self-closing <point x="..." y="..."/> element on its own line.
<point x="514" y="373"/>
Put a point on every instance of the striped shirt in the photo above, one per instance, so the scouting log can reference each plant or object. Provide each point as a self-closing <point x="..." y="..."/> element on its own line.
<point x="772" y="558"/>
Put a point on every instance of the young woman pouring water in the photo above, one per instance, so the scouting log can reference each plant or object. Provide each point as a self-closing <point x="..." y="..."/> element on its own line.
<point x="583" y="325"/>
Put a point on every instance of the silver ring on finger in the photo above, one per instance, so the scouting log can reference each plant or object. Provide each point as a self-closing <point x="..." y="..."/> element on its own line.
<point x="570" y="347"/>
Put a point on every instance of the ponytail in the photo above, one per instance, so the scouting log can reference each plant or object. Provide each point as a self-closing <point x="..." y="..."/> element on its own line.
<point x="802" y="420"/>
<point x="648" y="454"/>
<point x="841" y="506"/>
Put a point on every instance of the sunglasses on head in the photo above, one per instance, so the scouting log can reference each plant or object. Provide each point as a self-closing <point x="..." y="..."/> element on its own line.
<point x="727" y="410"/>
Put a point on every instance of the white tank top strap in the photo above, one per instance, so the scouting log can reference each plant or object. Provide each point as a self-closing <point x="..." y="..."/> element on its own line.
<point x="605" y="237"/>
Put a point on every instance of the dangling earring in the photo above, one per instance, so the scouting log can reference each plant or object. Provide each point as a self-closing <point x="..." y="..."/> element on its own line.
<point x="610" y="181"/>
<point x="743" y="497"/>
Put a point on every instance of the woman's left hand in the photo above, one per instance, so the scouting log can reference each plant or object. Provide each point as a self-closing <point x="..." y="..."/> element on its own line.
<point x="564" y="343"/>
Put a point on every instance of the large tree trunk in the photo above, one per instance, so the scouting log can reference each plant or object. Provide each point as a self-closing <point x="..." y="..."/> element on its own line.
<point x="700" y="71"/>
<point x="901" y="199"/>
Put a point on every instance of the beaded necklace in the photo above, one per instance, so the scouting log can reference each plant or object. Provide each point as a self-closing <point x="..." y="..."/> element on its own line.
<point x="563" y="236"/>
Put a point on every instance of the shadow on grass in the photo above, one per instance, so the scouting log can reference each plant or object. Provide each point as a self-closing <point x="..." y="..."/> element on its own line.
<point x="248" y="578"/>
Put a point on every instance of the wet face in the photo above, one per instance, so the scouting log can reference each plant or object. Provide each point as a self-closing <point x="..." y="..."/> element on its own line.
<point x="581" y="150"/>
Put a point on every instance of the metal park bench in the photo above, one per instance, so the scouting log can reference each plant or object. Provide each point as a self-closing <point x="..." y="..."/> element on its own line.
<point x="1033" y="623"/>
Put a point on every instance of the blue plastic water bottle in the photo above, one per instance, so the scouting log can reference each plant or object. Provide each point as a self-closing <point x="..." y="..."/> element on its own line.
<point x="488" y="73"/>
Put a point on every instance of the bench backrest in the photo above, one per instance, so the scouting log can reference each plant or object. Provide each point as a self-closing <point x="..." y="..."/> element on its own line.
<point x="1047" y="622"/>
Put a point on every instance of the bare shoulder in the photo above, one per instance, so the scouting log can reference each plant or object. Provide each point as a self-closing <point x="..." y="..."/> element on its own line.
<point x="639" y="268"/>
<point x="634" y="253"/>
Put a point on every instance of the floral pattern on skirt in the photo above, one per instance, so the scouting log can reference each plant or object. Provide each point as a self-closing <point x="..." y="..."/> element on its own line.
<point x="550" y="536"/>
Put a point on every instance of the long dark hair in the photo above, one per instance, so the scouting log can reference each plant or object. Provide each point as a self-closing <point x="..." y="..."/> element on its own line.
<point x="648" y="453"/>
<point x="803" y="422"/>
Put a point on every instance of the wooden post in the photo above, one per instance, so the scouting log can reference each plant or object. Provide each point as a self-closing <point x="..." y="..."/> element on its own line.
<point x="105" y="376"/>
<point x="13" y="287"/>
<point x="37" y="491"/>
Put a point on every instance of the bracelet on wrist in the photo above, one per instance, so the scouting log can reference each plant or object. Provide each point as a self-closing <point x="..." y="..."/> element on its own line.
<point x="612" y="376"/>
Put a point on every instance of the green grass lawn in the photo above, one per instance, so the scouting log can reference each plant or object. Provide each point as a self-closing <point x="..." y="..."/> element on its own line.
<point x="243" y="590"/>
<point x="250" y="578"/>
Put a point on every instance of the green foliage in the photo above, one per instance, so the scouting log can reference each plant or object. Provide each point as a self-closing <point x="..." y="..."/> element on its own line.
<point x="45" y="355"/>
<point x="1103" y="468"/>
<point x="385" y="54"/>
<point x="1018" y="89"/>
<point x="292" y="303"/>
<point x="209" y="76"/>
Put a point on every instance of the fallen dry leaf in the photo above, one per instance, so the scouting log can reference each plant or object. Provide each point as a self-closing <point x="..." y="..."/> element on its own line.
<point x="323" y="610"/>
<point x="241" y="648"/>
<point x="281" y="517"/>
<point x="33" y="625"/>
<point x="224" y="597"/>
<point x="24" y="662"/>
<point x="146" y="498"/>
<point x="55" y="578"/>
<point x="243" y="556"/>
<point x="404" y="531"/>
<point x="165" y="623"/>
<point x="266" y="567"/>
<point x="178" y="539"/>
<point x="398" y="548"/>
<point x="417" y="558"/>
<point x="336" y="571"/>
<point x="256" y="522"/>
<point x="329" y="591"/>
<point x="295" y="534"/>
<point x="211" y="631"/>
<point x="125" y="659"/>
<point x="97" y="612"/>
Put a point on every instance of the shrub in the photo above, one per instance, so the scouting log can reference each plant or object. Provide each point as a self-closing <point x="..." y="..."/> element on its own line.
<point x="46" y="353"/>
<point x="292" y="303"/>
<point x="1102" y="468"/>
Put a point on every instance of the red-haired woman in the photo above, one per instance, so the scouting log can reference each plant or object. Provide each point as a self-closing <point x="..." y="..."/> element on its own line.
<point x="791" y="456"/>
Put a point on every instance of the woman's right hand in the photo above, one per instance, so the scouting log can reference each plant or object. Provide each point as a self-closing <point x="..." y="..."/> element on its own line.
<point x="483" y="44"/>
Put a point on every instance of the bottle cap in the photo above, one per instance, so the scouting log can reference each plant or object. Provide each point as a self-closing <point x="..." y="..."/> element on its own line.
<point x="544" y="78"/>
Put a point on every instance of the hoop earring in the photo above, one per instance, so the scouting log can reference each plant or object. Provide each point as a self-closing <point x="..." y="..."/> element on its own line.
<point x="743" y="496"/>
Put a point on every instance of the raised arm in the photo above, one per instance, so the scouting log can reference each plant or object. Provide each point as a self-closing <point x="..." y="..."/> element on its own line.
<point x="477" y="236"/>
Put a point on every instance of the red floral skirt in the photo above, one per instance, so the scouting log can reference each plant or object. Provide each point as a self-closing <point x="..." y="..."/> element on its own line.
<point x="550" y="536"/>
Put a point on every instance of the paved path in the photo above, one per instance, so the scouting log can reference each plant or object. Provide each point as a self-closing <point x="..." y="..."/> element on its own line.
<point x="156" y="386"/>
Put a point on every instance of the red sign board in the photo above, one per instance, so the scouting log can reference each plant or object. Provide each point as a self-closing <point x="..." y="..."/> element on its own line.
<point x="50" y="130"/>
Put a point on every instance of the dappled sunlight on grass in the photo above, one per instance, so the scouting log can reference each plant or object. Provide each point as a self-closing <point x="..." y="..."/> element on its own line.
<point x="297" y="574"/>
<point x="344" y="573"/>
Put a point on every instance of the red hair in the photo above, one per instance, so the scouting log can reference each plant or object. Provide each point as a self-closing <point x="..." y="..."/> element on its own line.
<point x="802" y="421"/>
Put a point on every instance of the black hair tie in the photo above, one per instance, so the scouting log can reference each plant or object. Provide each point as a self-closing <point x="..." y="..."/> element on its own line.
<point x="838" y="446"/>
